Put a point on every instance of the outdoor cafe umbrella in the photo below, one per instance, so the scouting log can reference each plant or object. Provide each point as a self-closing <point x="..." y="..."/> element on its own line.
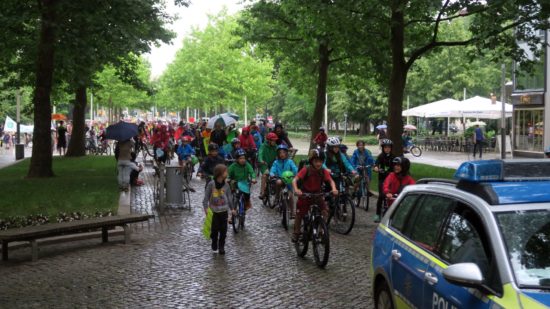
<point x="223" y="119"/>
<point x="121" y="131"/>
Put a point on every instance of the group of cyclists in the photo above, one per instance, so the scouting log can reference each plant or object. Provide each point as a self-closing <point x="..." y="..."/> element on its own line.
<point x="251" y="156"/>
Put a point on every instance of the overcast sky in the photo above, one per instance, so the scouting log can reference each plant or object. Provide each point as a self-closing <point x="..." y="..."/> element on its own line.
<point x="194" y="15"/>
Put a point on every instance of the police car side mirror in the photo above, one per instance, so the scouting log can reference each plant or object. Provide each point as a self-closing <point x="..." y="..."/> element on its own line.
<point x="464" y="274"/>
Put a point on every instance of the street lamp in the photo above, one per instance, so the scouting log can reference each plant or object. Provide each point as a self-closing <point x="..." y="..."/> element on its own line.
<point x="345" y="125"/>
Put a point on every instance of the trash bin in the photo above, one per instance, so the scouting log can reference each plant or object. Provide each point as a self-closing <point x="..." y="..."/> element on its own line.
<point x="174" y="183"/>
<point x="19" y="151"/>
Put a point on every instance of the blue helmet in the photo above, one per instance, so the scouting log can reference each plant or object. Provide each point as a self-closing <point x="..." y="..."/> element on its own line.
<point x="240" y="152"/>
<point x="282" y="147"/>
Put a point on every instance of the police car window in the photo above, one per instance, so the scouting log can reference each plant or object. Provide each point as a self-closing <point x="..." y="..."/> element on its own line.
<point x="462" y="243"/>
<point x="426" y="220"/>
<point x="404" y="208"/>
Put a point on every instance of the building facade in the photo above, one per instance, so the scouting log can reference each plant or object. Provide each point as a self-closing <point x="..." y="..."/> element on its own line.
<point x="531" y="101"/>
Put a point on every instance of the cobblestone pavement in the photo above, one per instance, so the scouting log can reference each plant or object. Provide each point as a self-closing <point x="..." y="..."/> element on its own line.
<point x="169" y="264"/>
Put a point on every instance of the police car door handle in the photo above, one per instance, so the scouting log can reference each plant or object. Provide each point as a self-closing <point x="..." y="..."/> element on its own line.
<point x="431" y="278"/>
<point x="395" y="254"/>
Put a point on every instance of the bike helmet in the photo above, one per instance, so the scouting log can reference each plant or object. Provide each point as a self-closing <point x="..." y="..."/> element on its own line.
<point x="339" y="138"/>
<point x="322" y="129"/>
<point x="235" y="141"/>
<point x="404" y="162"/>
<point x="282" y="147"/>
<point x="159" y="152"/>
<point x="272" y="137"/>
<point x="239" y="153"/>
<point x="187" y="138"/>
<point x="333" y="141"/>
<point x="386" y="142"/>
<point x="246" y="130"/>
<point x="287" y="177"/>
<point x="315" y="154"/>
<point x="213" y="147"/>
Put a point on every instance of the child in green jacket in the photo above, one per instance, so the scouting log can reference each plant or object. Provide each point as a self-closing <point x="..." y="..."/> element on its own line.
<point x="241" y="170"/>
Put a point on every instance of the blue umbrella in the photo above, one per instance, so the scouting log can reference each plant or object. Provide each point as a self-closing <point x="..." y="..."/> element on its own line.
<point x="121" y="131"/>
<point x="381" y="126"/>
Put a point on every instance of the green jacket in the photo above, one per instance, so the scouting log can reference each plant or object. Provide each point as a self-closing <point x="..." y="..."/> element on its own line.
<point x="267" y="153"/>
<point x="239" y="172"/>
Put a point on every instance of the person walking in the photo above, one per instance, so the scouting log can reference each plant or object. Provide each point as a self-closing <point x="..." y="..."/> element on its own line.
<point x="219" y="199"/>
<point x="478" y="141"/>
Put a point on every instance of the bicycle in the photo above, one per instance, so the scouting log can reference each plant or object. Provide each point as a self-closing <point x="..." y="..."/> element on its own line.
<point x="283" y="202"/>
<point x="363" y="194"/>
<point x="237" y="220"/>
<point x="269" y="199"/>
<point x="342" y="208"/>
<point x="412" y="149"/>
<point x="314" y="229"/>
<point x="103" y="148"/>
<point x="386" y="203"/>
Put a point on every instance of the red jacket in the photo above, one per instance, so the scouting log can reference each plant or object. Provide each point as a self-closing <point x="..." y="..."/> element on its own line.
<point x="247" y="142"/>
<point x="394" y="183"/>
<point x="320" y="138"/>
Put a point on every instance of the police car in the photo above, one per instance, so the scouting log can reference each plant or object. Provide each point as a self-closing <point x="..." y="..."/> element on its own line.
<point x="482" y="241"/>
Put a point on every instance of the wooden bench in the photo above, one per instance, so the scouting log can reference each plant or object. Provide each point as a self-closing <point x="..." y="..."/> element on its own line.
<point x="32" y="233"/>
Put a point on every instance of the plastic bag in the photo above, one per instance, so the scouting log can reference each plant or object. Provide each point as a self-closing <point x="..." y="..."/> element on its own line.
<point x="207" y="226"/>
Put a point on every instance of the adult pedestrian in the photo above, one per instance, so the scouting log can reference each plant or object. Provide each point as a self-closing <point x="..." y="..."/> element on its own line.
<point x="61" y="138"/>
<point x="282" y="135"/>
<point x="478" y="141"/>
<point x="218" y="135"/>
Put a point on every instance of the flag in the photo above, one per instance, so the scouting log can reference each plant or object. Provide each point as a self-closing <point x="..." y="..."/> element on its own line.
<point x="10" y="125"/>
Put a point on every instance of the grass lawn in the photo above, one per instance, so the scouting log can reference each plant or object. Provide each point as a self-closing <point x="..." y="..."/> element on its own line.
<point x="85" y="185"/>
<point x="418" y="171"/>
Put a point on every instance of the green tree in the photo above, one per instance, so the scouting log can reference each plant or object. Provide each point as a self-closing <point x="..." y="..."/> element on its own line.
<point x="415" y="31"/>
<point x="213" y="72"/>
<point x="312" y="36"/>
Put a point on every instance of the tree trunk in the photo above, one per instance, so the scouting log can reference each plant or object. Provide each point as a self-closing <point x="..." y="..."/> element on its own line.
<point x="78" y="141"/>
<point x="41" y="160"/>
<point x="320" y="101"/>
<point x="398" y="79"/>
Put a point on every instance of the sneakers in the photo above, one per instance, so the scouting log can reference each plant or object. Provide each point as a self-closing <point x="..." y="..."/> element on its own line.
<point x="376" y="219"/>
<point x="214" y="247"/>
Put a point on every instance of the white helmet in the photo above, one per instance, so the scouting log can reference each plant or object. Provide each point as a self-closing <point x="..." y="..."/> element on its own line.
<point x="333" y="141"/>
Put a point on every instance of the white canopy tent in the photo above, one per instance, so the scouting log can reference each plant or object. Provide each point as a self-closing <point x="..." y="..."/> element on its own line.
<point x="475" y="107"/>
<point x="440" y="106"/>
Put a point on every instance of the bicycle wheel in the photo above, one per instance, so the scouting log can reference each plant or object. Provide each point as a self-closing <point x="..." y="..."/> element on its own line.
<point x="271" y="196"/>
<point x="321" y="242"/>
<point x="342" y="216"/>
<point x="303" y="241"/>
<point x="235" y="223"/>
<point x="285" y="211"/>
<point x="415" y="151"/>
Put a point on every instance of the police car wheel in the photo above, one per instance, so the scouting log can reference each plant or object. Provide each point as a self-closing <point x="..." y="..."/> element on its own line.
<point x="382" y="297"/>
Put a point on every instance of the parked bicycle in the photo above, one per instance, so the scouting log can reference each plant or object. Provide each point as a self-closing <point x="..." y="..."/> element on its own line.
<point x="363" y="193"/>
<point x="342" y="208"/>
<point x="314" y="229"/>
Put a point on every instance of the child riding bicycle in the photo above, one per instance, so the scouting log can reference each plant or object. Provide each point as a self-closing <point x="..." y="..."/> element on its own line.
<point x="383" y="166"/>
<point x="241" y="170"/>
<point x="266" y="157"/>
<point x="362" y="160"/>
<point x="310" y="179"/>
<point x="207" y="167"/>
<point x="398" y="179"/>
<point x="281" y="165"/>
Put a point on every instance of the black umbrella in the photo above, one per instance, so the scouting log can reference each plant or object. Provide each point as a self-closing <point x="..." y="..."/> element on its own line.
<point x="121" y="131"/>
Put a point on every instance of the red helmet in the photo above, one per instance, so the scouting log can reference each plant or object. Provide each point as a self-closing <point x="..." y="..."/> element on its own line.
<point x="187" y="138"/>
<point x="246" y="130"/>
<point x="272" y="137"/>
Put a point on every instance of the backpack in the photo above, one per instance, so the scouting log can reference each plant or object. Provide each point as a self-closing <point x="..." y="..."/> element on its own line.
<point x="308" y="174"/>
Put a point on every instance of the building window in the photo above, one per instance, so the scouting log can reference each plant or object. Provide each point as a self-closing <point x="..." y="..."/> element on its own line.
<point x="528" y="129"/>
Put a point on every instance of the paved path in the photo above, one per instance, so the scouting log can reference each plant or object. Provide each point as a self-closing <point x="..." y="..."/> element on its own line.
<point x="7" y="157"/>
<point x="170" y="265"/>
